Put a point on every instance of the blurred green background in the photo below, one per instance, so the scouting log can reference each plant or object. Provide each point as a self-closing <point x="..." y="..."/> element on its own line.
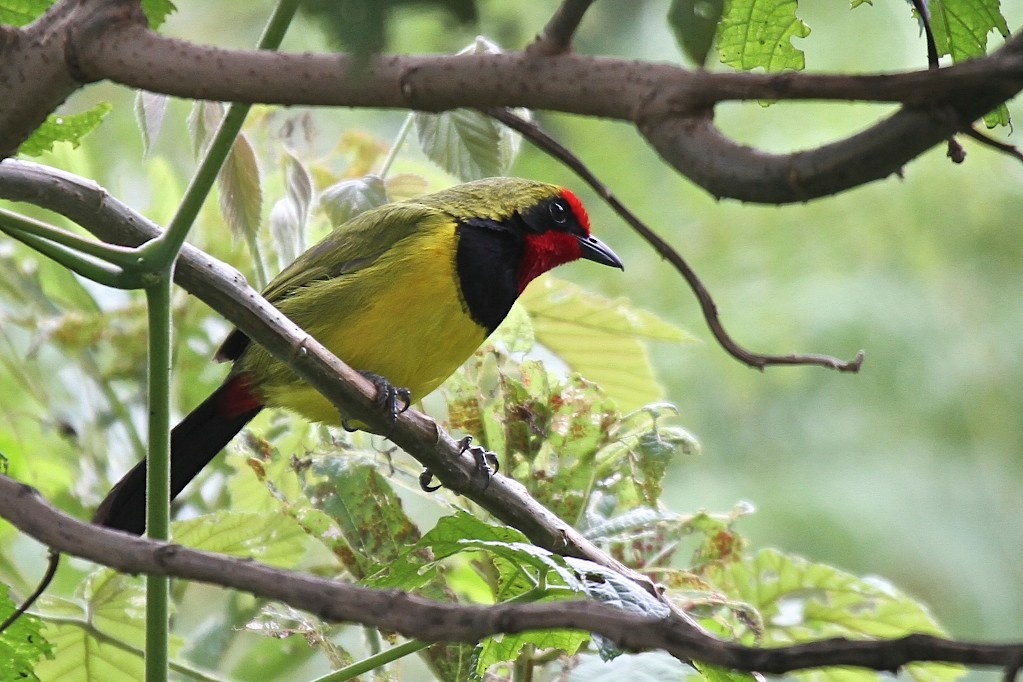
<point x="909" y="470"/>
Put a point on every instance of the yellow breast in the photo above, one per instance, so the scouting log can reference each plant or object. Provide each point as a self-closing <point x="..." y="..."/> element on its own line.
<point x="401" y="317"/>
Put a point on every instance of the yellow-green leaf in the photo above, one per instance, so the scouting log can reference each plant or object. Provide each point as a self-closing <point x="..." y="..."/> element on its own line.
<point x="600" y="338"/>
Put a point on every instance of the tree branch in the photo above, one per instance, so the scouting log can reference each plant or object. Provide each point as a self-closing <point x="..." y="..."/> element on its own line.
<point x="671" y="106"/>
<point x="433" y="621"/>
<point x="226" y="291"/>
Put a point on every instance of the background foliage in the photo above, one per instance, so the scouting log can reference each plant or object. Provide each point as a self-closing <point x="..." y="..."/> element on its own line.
<point x="908" y="470"/>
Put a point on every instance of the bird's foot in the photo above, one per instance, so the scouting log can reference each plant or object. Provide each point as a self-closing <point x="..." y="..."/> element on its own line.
<point x="390" y="398"/>
<point x="487" y="465"/>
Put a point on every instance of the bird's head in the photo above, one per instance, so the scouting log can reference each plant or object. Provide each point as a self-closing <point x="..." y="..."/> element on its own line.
<point x="557" y="231"/>
<point x="510" y="231"/>
<point x="545" y="225"/>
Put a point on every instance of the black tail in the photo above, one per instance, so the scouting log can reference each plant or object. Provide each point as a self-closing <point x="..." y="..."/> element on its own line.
<point x="194" y="442"/>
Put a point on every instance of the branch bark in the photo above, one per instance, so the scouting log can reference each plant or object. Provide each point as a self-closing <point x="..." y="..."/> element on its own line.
<point x="672" y="107"/>
<point x="435" y="621"/>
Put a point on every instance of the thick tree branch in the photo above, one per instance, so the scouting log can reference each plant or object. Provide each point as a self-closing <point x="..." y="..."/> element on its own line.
<point x="226" y="291"/>
<point x="671" y="106"/>
<point x="429" y="620"/>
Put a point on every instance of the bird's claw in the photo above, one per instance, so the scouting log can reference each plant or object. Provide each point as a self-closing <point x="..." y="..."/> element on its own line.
<point x="393" y="399"/>
<point x="487" y="464"/>
<point x="425" y="479"/>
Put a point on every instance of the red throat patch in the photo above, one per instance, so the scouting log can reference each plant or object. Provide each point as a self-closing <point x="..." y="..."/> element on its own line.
<point x="544" y="252"/>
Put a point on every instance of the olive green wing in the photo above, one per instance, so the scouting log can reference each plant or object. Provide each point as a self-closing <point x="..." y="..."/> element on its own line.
<point x="348" y="248"/>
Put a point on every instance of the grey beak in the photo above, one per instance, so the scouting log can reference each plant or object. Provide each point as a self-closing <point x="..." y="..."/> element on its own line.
<point x="597" y="251"/>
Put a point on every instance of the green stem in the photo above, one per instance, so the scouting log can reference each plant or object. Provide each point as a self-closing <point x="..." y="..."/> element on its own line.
<point x="160" y="255"/>
<point x="111" y="253"/>
<point x="373" y="662"/>
<point x="87" y="266"/>
<point x="399" y="139"/>
<point x="165" y="248"/>
<point x="158" y="299"/>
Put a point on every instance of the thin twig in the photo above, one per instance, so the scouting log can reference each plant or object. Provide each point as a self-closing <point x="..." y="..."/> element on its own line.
<point x="925" y="19"/>
<point x="989" y="141"/>
<point x="51" y="570"/>
<point x="537" y="136"/>
<point x="556" y="37"/>
<point x="955" y="150"/>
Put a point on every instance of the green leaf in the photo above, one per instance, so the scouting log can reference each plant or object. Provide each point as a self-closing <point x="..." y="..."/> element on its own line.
<point x="273" y="538"/>
<point x="21" y="644"/>
<point x="239" y="182"/>
<point x="22" y="12"/>
<point x="462" y="533"/>
<point x="402" y="186"/>
<point x="365" y="508"/>
<point x="465" y="143"/>
<point x="64" y="128"/>
<point x="759" y="33"/>
<point x="279" y="621"/>
<point x="998" y="117"/>
<point x="203" y="119"/>
<point x="694" y="23"/>
<point x="600" y="338"/>
<point x="344" y="200"/>
<point x="156" y="11"/>
<point x="713" y="673"/>
<point x="102" y="640"/>
<point x="961" y="29"/>
<point x="241" y="191"/>
<point x="800" y="601"/>
<point x="498" y="649"/>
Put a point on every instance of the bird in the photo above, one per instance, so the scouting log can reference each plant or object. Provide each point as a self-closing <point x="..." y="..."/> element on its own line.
<point x="404" y="293"/>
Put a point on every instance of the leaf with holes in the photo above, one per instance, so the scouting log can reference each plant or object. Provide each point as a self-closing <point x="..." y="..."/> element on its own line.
<point x="801" y="601"/>
<point x="758" y="34"/>
<point x="21" y="644"/>
<point x="961" y="29"/>
<point x="64" y="128"/>
<point x="157" y="11"/>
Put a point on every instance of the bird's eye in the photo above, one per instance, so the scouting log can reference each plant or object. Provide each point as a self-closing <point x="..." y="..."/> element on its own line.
<point x="559" y="212"/>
